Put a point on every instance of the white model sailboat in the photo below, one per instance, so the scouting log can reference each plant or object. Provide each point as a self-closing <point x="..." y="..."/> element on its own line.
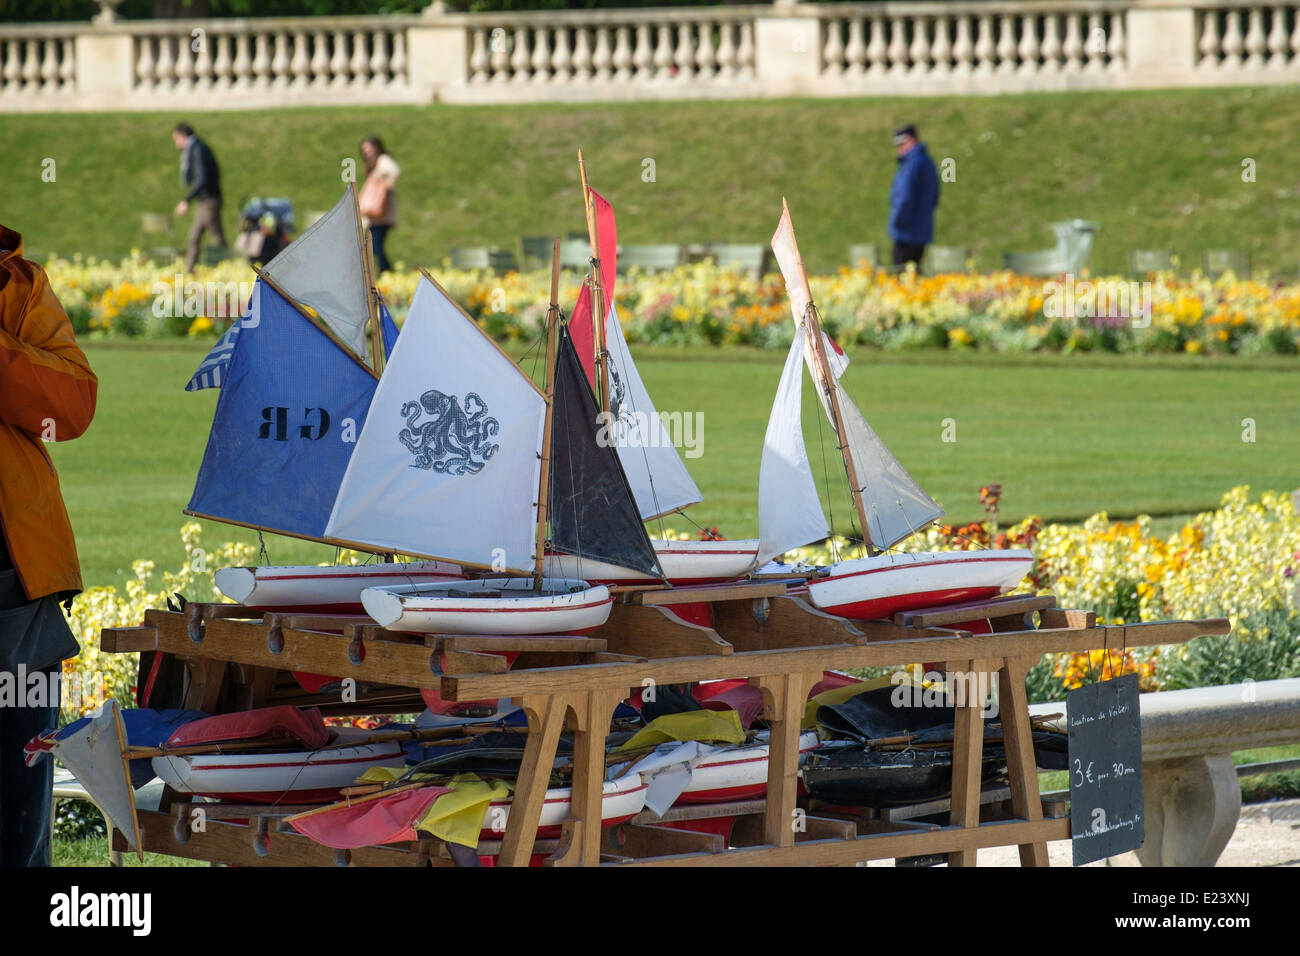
<point x="889" y="503"/>
<point x="463" y="459"/>
<point x="655" y="470"/>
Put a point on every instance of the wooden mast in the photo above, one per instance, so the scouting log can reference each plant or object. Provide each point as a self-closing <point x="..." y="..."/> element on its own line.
<point x="372" y="294"/>
<point x="813" y="328"/>
<point x="544" y="486"/>
<point x="599" y="307"/>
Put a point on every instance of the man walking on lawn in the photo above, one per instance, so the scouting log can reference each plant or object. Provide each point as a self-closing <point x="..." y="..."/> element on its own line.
<point x="912" y="198"/>
<point x="201" y="176"/>
<point x="47" y="393"/>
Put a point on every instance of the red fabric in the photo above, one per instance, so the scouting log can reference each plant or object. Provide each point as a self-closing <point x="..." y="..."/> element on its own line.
<point x="830" y="680"/>
<point x="389" y="819"/>
<point x="745" y="699"/>
<point x="700" y="612"/>
<point x="306" y="726"/>
<point x="719" y="825"/>
<point x="580" y="327"/>
<point x="433" y="700"/>
<point x="312" y="683"/>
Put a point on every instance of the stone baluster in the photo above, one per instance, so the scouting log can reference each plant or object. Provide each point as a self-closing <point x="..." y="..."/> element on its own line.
<point x="144" y="64"/>
<point x="164" y="70"/>
<point x="261" y="67"/>
<point x="663" y="58"/>
<point x="833" y="49"/>
<point x="622" y="60"/>
<point x="726" y="50"/>
<point x="32" y="67"/>
<point x="684" y="55"/>
<point x="562" y="58"/>
<point x="1295" y="42"/>
<point x="1028" y="46"/>
<point x="300" y="65"/>
<point x="745" y="55"/>
<point x="920" y="49"/>
<point x="1256" y="44"/>
<point x="478" y="58"/>
<point x="706" y="60"/>
<point x="984" y="49"/>
<point x="541" y="55"/>
<point x="13" y="68"/>
<point x="1278" y="43"/>
<point x="68" y="65"/>
<point x="941" y="49"/>
<point x="877" y="49"/>
<point x="1095" y="47"/>
<point x="338" y="68"/>
<point x="1233" y="42"/>
<point x="521" y="58"/>
<point x="1073" y="48"/>
<point x="1051" y="47"/>
<point x="185" y="64"/>
<point x="280" y="75"/>
<point x="643" y="55"/>
<point x="359" y="63"/>
<point x="1210" y="46"/>
<point x="602" y="60"/>
<point x="50" y="67"/>
<point x="1117" y="45"/>
<point x="243" y="66"/>
<point x="397" y="62"/>
<point x="963" y="51"/>
<point x="378" y="64"/>
<point x="897" y="46"/>
<point x="582" y="56"/>
<point x="223" y="64"/>
<point x="1006" y="48"/>
<point x="855" y="51"/>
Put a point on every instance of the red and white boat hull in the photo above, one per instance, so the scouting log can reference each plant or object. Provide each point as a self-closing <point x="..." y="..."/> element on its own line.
<point x="735" y="774"/>
<point x="880" y="586"/>
<point x="332" y="589"/>
<point x="622" y="799"/>
<point x="684" y="563"/>
<point x="299" y="777"/>
<point x="565" y="606"/>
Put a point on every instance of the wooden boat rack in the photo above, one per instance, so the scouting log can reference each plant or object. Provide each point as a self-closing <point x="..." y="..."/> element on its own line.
<point x="762" y="632"/>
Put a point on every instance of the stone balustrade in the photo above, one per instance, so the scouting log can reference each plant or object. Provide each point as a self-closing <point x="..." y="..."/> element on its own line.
<point x="780" y="49"/>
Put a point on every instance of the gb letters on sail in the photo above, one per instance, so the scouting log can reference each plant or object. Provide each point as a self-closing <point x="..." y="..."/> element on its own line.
<point x="290" y="410"/>
<point x="324" y="268"/>
<point x="449" y="461"/>
<point x="654" y="467"/>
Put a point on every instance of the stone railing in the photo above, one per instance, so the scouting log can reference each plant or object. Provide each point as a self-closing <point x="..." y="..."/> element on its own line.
<point x="780" y="49"/>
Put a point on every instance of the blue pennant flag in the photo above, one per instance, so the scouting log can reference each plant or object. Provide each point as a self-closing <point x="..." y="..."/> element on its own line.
<point x="215" y="365"/>
<point x="290" y="412"/>
<point x="388" y="327"/>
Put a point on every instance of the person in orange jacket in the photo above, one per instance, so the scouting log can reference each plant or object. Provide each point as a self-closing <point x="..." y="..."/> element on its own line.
<point x="47" y="393"/>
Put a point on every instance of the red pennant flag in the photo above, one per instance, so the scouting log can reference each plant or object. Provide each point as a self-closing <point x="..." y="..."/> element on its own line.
<point x="580" y="327"/>
<point x="369" y="821"/>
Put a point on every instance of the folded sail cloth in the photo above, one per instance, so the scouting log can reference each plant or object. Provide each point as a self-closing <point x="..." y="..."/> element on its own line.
<point x="707" y="725"/>
<point x="458" y="816"/>
<point x="305" y="726"/>
<point x="144" y="728"/>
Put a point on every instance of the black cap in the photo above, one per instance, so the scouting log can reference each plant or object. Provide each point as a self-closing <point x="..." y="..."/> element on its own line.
<point x="903" y="132"/>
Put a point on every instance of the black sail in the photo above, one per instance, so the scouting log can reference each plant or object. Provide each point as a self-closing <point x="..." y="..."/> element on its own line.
<point x="592" y="512"/>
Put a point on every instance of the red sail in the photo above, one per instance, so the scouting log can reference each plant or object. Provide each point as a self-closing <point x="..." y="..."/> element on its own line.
<point x="580" y="328"/>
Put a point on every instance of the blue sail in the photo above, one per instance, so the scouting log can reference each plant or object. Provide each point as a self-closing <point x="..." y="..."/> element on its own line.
<point x="291" y="409"/>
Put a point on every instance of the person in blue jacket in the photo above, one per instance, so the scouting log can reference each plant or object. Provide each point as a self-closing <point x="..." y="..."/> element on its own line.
<point x="912" y="198"/>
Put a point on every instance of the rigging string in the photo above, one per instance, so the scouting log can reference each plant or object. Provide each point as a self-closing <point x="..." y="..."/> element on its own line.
<point x="261" y="549"/>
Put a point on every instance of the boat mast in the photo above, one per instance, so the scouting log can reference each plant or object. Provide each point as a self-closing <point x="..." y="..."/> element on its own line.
<point x="598" y="305"/>
<point x="813" y="329"/>
<point x="372" y="294"/>
<point x="544" y="486"/>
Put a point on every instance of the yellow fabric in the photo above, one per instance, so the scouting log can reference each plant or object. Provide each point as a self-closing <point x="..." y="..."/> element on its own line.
<point x="838" y="695"/>
<point x="714" y="725"/>
<point x="381" y="775"/>
<point x="457" y="817"/>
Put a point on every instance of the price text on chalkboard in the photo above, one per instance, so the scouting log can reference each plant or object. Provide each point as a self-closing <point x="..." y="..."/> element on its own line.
<point x="1105" y="769"/>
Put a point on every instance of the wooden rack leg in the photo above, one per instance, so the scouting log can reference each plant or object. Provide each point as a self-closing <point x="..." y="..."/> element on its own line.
<point x="545" y="722"/>
<point x="593" y="711"/>
<point x="785" y="696"/>
<point x="1022" y="768"/>
<point x="967" y="754"/>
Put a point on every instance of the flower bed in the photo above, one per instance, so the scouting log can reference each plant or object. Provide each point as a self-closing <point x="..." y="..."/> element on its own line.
<point x="705" y="305"/>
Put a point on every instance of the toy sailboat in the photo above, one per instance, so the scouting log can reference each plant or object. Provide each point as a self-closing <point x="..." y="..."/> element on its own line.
<point x="888" y="502"/>
<point x="464" y="459"/>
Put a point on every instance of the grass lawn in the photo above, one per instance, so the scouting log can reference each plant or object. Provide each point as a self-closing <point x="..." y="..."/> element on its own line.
<point x="1156" y="169"/>
<point x="1065" y="435"/>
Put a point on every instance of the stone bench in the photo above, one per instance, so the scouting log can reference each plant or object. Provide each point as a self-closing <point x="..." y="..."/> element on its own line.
<point x="1191" y="793"/>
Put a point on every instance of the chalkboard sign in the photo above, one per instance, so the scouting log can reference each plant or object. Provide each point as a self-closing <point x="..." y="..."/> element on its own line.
<point x="1105" y="731"/>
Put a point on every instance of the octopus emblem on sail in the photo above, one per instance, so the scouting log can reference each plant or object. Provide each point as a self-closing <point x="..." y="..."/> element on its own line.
<point x="454" y="439"/>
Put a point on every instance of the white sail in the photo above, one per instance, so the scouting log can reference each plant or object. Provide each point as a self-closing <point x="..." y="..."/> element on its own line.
<point x="655" y="470"/>
<point x="789" y="511"/>
<point x="791" y="271"/>
<point x="449" y="460"/>
<point x="323" y="268"/>
<point x="896" y="505"/>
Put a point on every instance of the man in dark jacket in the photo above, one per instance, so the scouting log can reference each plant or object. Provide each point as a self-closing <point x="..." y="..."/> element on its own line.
<point x="912" y="198"/>
<point x="47" y="393"/>
<point x="200" y="175"/>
